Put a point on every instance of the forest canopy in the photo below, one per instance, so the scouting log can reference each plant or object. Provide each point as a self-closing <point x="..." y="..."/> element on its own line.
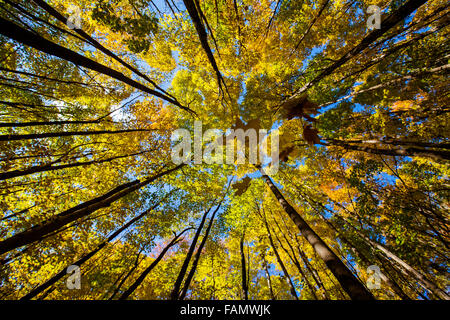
<point x="92" y="205"/>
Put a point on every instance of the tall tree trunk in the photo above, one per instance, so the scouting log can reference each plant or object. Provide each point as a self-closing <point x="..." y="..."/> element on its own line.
<point x="198" y="255"/>
<point x="407" y="151"/>
<point x="44" y="123"/>
<point x="49" y="167"/>
<point x="38" y="231"/>
<point x="52" y="11"/>
<point x="86" y="257"/>
<point x="396" y="142"/>
<point x="348" y="281"/>
<point x="15" y="137"/>
<point x="243" y="269"/>
<point x="144" y="274"/>
<point x="203" y="37"/>
<point x="176" y="288"/>
<point x="305" y="261"/>
<point x="269" y="279"/>
<point x="390" y="282"/>
<point x="15" y="32"/>
<point x="404" y="267"/>
<point x="277" y="255"/>
<point x="294" y="259"/>
<point x="409" y="270"/>
<point x="117" y="285"/>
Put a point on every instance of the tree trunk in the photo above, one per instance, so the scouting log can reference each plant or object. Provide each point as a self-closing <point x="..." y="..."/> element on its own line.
<point x="407" y="151"/>
<point x="197" y="255"/>
<point x="86" y="257"/>
<point x="348" y="281"/>
<point x="243" y="269"/>
<point x="269" y="280"/>
<point x="141" y="278"/>
<point x="389" y="280"/>
<point x="15" y="32"/>
<point x="49" y="167"/>
<point x="54" y="223"/>
<point x="122" y="280"/>
<point x="176" y="288"/>
<point x="52" y="11"/>
<point x="277" y="255"/>
<point x="294" y="260"/>
<point x="203" y="36"/>
<point x="408" y="270"/>
<point x="15" y="137"/>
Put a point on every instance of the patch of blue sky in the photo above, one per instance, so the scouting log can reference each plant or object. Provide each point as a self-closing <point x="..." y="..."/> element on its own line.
<point x="242" y="93"/>
<point x="314" y="52"/>
<point x="386" y="179"/>
<point x="328" y="213"/>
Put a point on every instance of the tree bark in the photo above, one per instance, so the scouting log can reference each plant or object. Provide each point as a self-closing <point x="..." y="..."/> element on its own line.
<point x="16" y="137"/>
<point x="15" y="32"/>
<point x="348" y="281"/>
<point x="49" y="167"/>
<point x="295" y="260"/>
<point x="86" y="257"/>
<point x="141" y="278"/>
<point x="406" y="151"/>
<point x="54" y="223"/>
<point x="197" y="255"/>
<point x="243" y="269"/>
<point x="269" y="280"/>
<point x="176" y="288"/>
<point x="122" y="280"/>
<point x="389" y="280"/>
<point x="193" y="13"/>
<point x="52" y="11"/>
<point x="277" y="255"/>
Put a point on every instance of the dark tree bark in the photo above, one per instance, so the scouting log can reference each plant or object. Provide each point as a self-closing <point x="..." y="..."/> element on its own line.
<point x="18" y="137"/>
<point x="52" y="11"/>
<point x="243" y="268"/>
<point x="49" y="167"/>
<point x="44" y="123"/>
<point x="15" y="32"/>
<point x="311" y="24"/>
<point x="277" y="255"/>
<point x="46" y="78"/>
<point x="176" y="288"/>
<point x="304" y="260"/>
<point x="196" y="20"/>
<point x="37" y="232"/>
<point x="86" y="257"/>
<point x="405" y="151"/>
<point x="408" y="270"/>
<point x="141" y="278"/>
<point x="403" y="266"/>
<point x="389" y="280"/>
<point x="118" y="285"/>
<point x="294" y="259"/>
<point x="348" y="281"/>
<point x="198" y="255"/>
